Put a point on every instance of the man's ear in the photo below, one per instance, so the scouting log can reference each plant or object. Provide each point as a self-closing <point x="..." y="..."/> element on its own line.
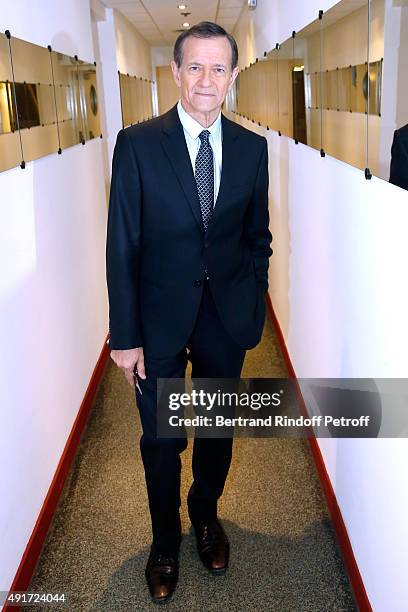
<point x="176" y="73"/>
<point x="234" y="75"/>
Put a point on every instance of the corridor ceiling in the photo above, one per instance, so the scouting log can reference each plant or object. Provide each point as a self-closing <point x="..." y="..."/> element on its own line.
<point x="158" y="20"/>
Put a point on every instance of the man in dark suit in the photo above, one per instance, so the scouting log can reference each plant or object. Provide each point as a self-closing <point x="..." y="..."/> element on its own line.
<point x="399" y="158"/>
<point x="187" y="269"/>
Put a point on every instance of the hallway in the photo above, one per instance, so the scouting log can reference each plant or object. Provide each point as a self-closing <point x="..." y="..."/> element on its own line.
<point x="146" y="145"/>
<point x="284" y="554"/>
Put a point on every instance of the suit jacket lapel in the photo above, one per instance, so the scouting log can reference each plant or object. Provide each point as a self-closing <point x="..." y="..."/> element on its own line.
<point x="230" y="157"/>
<point x="175" y="147"/>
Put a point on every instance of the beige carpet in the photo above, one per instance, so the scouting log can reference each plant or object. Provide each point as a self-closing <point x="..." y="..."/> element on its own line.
<point x="284" y="555"/>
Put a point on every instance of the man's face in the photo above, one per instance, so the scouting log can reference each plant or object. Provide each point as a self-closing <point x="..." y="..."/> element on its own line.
<point x="205" y="74"/>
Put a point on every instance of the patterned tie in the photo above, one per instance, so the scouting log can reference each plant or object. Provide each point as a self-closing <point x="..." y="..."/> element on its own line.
<point x="204" y="176"/>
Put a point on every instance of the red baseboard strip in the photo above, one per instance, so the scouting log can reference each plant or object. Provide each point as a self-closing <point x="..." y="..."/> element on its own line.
<point x="343" y="539"/>
<point x="33" y="550"/>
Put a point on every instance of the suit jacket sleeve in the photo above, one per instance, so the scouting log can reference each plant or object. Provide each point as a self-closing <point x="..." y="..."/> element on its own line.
<point x="123" y="247"/>
<point x="256" y="225"/>
<point x="399" y="162"/>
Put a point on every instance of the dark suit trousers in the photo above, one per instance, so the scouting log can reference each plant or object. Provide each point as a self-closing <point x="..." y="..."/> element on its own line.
<point x="213" y="354"/>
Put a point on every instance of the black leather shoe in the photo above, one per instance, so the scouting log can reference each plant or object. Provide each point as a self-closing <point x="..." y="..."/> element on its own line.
<point x="212" y="545"/>
<point x="161" y="575"/>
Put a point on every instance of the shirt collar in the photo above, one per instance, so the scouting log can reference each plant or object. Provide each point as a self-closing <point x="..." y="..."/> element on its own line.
<point x="193" y="128"/>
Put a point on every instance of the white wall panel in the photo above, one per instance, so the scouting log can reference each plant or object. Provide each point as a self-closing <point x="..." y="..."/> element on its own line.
<point x="53" y="305"/>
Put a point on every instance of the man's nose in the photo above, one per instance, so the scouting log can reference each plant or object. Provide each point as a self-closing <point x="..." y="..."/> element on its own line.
<point x="205" y="80"/>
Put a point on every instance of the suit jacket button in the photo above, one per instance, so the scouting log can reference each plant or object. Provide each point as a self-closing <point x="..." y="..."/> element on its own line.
<point x="205" y="244"/>
<point x="197" y="283"/>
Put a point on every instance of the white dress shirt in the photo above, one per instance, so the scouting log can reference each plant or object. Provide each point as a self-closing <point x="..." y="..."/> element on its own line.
<point x="192" y="129"/>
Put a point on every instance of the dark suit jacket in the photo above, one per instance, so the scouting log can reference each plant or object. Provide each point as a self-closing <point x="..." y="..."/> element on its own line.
<point x="399" y="158"/>
<point x="157" y="249"/>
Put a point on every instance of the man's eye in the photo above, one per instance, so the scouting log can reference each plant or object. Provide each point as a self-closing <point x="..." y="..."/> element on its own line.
<point x="220" y="70"/>
<point x="194" y="68"/>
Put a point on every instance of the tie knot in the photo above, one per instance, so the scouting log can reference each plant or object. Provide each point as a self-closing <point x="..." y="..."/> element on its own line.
<point x="204" y="136"/>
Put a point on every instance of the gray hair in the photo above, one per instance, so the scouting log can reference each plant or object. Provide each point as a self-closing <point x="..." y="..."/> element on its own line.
<point x="205" y="29"/>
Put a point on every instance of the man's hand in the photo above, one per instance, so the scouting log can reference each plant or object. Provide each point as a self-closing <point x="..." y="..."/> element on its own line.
<point x="127" y="359"/>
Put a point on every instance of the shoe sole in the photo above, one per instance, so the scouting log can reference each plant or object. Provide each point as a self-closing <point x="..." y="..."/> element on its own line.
<point x="218" y="572"/>
<point x="163" y="600"/>
<point x="213" y="570"/>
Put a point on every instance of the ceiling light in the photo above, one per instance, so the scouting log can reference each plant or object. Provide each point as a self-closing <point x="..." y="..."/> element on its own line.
<point x="182" y="7"/>
<point x="186" y="24"/>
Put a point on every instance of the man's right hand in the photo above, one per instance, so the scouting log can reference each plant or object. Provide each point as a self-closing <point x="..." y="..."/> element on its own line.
<point x="130" y="360"/>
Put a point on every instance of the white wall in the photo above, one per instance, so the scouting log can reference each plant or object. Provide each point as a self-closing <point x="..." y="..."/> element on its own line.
<point x="272" y="22"/>
<point x="338" y="289"/>
<point x="123" y="49"/>
<point x="106" y="37"/>
<point x="161" y="56"/>
<point x="132" y="50"/>
<point x="52" y="292"/>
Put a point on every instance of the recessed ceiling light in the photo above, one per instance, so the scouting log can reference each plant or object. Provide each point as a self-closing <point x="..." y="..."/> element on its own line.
<point x="186" y="24"/>
<point x="182" y="7"/>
